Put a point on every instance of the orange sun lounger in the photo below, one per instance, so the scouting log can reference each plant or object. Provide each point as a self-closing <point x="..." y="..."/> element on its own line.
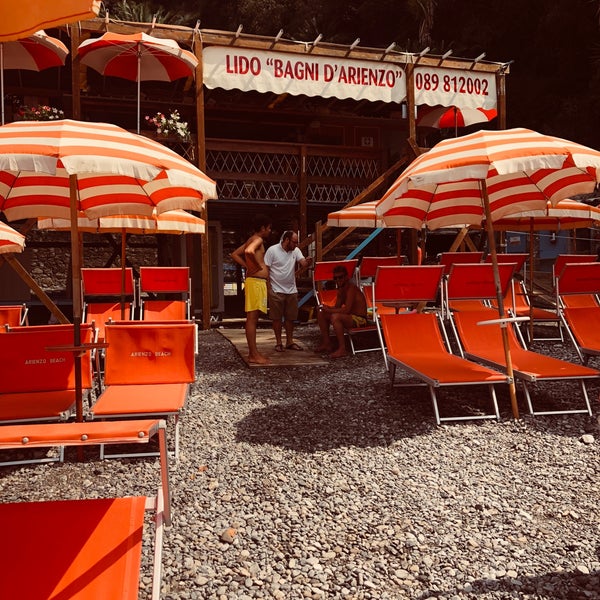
<point x="148" y="371"/>
<point x="482" y="341"/>
<point x="414" y="339"/>
<point x="165" y="281"/>
<point x="581" y="319"/>
<point x="518" y="303"/>
<point x="101" y="293"/>
<point x="88" y="548"/>
<point x="38" y="383"/>
<point x="479" y="336"/>
<point x="13" y="315"/>
<point x="323" y="274"/>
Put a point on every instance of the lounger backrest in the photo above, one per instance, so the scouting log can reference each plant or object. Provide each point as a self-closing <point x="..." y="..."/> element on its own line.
<point x="579" y="278"/>
<point x="518" y="259"/>
<point x="447" y="259"/>
<point x="165" y="279"/>
<point x="323" y="271"/>
<point x="407" y="283"/>
<point x="12" y="315"/>
<point x="149" y="353"/>
<point x="369" y="264"/>
<point x="562" y="259"/>
<point x="106" y="282"/>
<point x="29" y="366"/>
<point x="476" y="281"/>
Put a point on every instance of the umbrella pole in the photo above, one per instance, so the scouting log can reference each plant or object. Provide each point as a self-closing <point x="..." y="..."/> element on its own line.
<point x="76" y="277"/>
<point x="123" y="270"/>
<point x="139" y="73"/>
<point x="531" y="261"/>
<point x="499" y="296"/>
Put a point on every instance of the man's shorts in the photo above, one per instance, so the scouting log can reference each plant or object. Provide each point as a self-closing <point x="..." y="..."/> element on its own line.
<point x="283" y="305"/>
<point x="358" y="321"/>
<point x="255" y="292"/>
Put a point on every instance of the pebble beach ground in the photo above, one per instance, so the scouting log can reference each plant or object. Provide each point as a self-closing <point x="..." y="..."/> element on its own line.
<point x="322" y="482"/>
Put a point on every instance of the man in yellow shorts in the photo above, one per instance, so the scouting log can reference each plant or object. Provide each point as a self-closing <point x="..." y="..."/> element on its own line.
<point x="251" y="256"/>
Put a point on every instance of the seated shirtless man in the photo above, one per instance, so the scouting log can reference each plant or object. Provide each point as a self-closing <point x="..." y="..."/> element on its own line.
<point x="350" y="311"/>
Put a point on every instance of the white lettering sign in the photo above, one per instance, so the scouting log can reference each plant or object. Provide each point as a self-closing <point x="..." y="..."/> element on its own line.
<point x="453" y="87"/>
<point x="280" y="73"/>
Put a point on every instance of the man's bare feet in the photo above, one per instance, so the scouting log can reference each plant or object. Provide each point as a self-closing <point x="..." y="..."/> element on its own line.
<point x="323" y="349"/>
<point x="258" y="359"/>
<point x="338" y="354"/>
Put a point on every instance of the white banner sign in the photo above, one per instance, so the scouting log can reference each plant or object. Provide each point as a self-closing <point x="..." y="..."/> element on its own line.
<point x="281" y="73"/>
<point x="452" y="87"/>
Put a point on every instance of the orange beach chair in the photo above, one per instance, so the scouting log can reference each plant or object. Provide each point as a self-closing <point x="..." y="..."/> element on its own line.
<point x="88" y="548"/>
<point x="148" y="371"/>
<point x="581" y="319"/>
<point x="101" y="292"/>
<point x="168" y="282"/>
<point x="323" y="274"/>
<point x="37" y="383"/>
<point x="478" y="333"/>
<point x="416" y="346"/>
<point x="13" y="315"/>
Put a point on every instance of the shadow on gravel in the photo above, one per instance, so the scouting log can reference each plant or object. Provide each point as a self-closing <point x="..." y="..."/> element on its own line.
<point x="566" y="585"/>
<point x="310" y="425"/>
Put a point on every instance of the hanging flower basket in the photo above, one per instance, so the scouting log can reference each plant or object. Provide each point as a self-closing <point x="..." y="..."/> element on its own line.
<point x="170" y="126"/>
<point x="40" y="113"/>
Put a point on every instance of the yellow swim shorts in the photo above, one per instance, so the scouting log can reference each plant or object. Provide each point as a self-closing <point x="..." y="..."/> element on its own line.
<point x="256" y="294"/>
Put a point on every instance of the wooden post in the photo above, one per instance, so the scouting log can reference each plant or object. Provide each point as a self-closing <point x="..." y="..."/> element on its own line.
<point x="201" y="147"/>
<point x="75" y="72"/>
<point x="303" y="184"/>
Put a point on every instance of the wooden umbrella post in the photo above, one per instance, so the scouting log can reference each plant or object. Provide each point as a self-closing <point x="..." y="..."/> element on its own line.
<point x="500" y="298"/>
<point x="76" y="291"/>
<point x="123" y="270"/>
<point x="531" y="261"/>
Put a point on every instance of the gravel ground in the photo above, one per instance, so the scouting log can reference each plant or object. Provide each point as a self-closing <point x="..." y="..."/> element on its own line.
<point x="327" y="484"/>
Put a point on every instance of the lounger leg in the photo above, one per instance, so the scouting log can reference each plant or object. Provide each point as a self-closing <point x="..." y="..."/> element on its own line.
<point x="435" y="406"/>
<point x="494" y="402"/>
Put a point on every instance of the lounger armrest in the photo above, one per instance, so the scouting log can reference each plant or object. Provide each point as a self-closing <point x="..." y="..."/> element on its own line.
<point x="503" y="321"/>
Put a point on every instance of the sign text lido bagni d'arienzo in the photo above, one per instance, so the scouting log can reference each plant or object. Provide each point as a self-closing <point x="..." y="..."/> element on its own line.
<point x="281" y="72"/>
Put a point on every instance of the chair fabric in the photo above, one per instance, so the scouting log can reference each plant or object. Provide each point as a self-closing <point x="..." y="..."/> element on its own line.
<point x="85" y="548"/>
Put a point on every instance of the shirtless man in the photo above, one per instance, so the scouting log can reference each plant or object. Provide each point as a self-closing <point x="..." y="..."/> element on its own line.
<point x="350" y="310"/>
<point x="251" y="256"/>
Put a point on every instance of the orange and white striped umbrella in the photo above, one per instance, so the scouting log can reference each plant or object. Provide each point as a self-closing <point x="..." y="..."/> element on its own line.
<point x="33" y="53"/>
<point x="137" y="57"/>
<point x="115" y="172"/>
<point x="567" y="214"/>
<point x="174" y="222"/>
<point x="10" y="240"/>
<point x="18" y="19"/>
<point x="515" y="170"/>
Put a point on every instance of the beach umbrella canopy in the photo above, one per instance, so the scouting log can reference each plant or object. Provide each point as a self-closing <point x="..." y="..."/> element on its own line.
<point x="20" y="19"/>
<point x="494" y="174"/>
<point x="84" y="152"/>
<point x="34" y="53"/>
<point x="137" y="57"/>
<point x="174" y="222"/>
<point x="10" y="240"/>
<point x="452" y="117"/>
<point x="567" y="214"/>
